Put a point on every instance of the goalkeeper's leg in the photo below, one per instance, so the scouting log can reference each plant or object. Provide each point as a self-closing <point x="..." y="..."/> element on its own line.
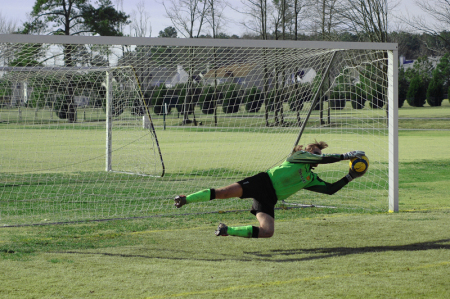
<point x="265" y="230"/>
<point x="233" y="190"/>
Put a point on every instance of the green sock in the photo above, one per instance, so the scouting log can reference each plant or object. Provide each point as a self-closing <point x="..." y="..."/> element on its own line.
<point x="204" y="195"/>
<point x="241" y="231"/>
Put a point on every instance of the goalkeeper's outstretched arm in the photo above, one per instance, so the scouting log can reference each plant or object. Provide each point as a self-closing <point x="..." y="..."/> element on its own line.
<point x="311" y="158"/>
<point x="330" y="189"/>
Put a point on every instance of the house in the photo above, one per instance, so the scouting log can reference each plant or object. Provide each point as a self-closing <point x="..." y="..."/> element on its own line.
<point x="303" y="76"/>
<point x="406" y="64"/>
<point x="245" y="74"/>
<point x="155" y="76"/>
<point x="180" y="76"/>
<point x="252" y="74"/>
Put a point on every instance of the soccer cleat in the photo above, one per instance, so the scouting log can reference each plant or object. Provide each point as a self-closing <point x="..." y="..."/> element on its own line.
<point x="180" y="200"/>
<point x="221" y="230"/>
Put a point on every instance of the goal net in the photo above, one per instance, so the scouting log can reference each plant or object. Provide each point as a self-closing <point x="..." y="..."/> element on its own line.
<point x="99" y="128"/>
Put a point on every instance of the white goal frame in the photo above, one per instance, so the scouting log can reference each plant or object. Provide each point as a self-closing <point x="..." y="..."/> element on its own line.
<point x="392" y="91"/>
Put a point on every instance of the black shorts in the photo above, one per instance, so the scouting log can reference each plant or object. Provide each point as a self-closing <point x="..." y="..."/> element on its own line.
<point x="260" y="188"/>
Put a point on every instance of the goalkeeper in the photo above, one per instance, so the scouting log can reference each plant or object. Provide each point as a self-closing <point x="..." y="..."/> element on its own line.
<point x="278" y="183"/>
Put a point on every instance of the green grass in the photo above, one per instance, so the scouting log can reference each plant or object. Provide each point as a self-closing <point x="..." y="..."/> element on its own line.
<point x="355" y="250"/>
<point x="70" y="184"/>
<point x="315" y="255"/>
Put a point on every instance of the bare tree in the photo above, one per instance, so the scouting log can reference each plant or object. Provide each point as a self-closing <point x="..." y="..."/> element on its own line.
<point x="277" y="18"/>
<point x="324" y="20"/>
<point x="7" y="26"/>
<point x="367" y="17"/>
<point x="298" y="11"/>
<point x="215" y="19"/>
<point x="187" y="16"/>
<point x="436" y="10"/>
<point x="215" y="15"/>
<point x="140" y="24"/>
<point x="257" y="10"/>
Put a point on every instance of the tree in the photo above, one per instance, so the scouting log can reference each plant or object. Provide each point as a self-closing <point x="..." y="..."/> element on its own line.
<point x="257" y="10"/>
<point x="435" y="91"/>
<point x="419" y="75"/>
<point x="73" y="17"/>
<point x="28" y="55"/>
<point x="298" y="11"/>
<point x="7" y="26"/>
<point x="437" y="10"/>
<point x="409" y="44"/>
<point x="34" y="26"/>
<point x="369" y="17"/>
<point x="443" y="70"/>
<point x="403" y="85"/>
<point x="422" y="67"/>
<point x="103" y="20"/>
<point x="323" y="16"/>
<point x="253" y="100"/>
<point x="140" y="25"/>
<point x="439" y="82"/>
<point x="416" y="92"/>
<point x="215" y="16"/>
<point x="341" y="91"/>
<point x="168" y="32"/>
<point x="187" y="16"/>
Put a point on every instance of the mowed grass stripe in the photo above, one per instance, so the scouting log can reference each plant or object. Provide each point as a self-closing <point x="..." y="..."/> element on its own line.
<point x="296" y="280"/>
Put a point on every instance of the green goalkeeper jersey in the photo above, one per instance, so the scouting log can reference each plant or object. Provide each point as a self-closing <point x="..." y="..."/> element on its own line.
<point x="295" y="173"/>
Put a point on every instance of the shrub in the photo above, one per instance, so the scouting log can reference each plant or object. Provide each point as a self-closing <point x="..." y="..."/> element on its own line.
<point x="274" y="100"/>
<point x="340" y="93"/>
<point x="157" y="99"/>
<point x="181" y="91"/>
<point x="269" y="101"/>
<point x="315" y="88"/>
<point x="296" y="102"/>
<point x="231" y="100"/>
<point x="403" y="85"/>
<point x="337" y="100"/>
<point x="448" y="94"/>
<point x="137" y="108"/>
<point x="358" y="97"/>
<point x="206" y="100"/>
<point x="416" y="92"/>
<point x="372" y="86"/>
<point x="253" y="100"/>
<point x="376" y="97"/>
<point x="435" y="92"/>
<point x="297" y="99"/>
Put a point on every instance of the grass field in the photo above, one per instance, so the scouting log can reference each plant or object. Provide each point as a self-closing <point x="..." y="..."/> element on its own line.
<point x="353" y="251"/>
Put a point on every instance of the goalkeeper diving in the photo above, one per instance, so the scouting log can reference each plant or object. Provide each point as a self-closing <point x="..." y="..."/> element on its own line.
<point x="278" y="183"/>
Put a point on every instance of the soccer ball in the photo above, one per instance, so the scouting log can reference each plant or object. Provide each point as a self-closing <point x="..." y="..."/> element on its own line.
<point x="359" y="164"/>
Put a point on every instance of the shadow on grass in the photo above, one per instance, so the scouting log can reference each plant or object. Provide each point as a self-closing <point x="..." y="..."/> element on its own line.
<point x="322" y="253"/>
<point x="278" y="256"/>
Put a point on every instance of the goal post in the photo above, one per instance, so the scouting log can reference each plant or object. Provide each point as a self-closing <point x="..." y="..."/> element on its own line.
<point x="174" y="116"/>
<point x="393" y="129"/>
<point x="108" y="121"/>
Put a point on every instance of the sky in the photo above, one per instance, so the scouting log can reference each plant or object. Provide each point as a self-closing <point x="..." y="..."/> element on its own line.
<point x="17" y="11"/>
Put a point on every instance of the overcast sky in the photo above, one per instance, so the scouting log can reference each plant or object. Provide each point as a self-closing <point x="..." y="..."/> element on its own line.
<point x="17" y="10"/>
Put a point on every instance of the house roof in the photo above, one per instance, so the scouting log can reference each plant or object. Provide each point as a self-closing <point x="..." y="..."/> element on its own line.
<point x="230" y="71"/>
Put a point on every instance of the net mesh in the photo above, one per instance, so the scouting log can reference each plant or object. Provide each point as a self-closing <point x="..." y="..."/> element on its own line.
<point x="182" y="119"/>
